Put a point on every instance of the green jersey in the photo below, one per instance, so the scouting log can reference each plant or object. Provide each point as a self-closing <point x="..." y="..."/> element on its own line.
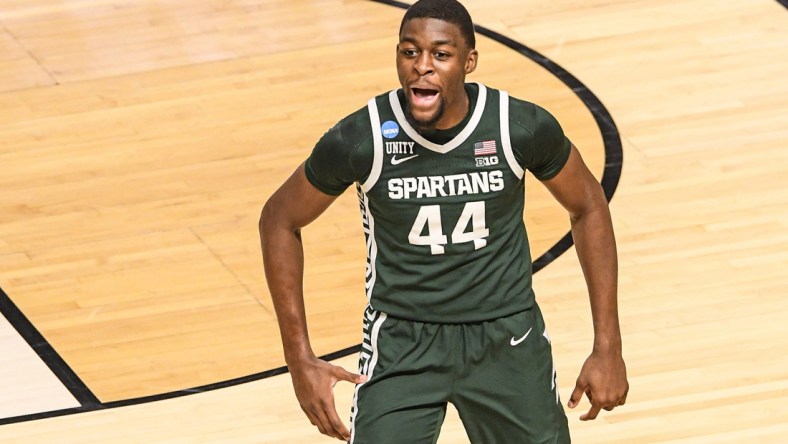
<point x="442" y="210"/>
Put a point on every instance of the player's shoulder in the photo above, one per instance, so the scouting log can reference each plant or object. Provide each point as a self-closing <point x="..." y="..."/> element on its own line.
<point x="530" y="116"/>
<point x="356" y="127"/>
<point x="355" y="123"/>
<point x="522" y="112"/>
<point x="347" y="133"/>
<point x="526" y="112"/>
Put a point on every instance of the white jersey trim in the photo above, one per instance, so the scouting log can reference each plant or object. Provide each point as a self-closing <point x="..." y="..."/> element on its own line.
<point x="453" y="143"/>
<point x="377" y="138"/>
<point x="372" y="246"/>
<point x="506" y="139"/>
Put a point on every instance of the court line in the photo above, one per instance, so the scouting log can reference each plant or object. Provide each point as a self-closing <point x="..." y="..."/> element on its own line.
<point x="68" y="378"/>
<point x="89" y="402"/>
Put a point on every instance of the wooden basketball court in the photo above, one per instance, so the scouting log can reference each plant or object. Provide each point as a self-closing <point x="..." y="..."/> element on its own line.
<point x="140" y="139"/>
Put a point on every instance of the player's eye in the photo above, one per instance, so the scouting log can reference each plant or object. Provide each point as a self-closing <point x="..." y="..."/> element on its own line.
<point x="440" y="55"/>
<point x="409" y="52"/>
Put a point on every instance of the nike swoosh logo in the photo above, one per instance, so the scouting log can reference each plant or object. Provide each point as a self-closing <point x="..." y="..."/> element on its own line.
<point x="514" y="342"/>
<point x="395" y="161"/>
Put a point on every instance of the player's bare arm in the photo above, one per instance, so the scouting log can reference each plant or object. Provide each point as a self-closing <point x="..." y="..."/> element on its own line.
<point x="603" y="376"/>
<point x="294" y="205"/>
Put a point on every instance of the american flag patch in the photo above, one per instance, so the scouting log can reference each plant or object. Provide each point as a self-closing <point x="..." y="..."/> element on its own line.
<point x="484" y="148"/>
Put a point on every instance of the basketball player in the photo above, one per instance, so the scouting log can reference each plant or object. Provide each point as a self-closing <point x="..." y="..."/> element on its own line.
<point x="451" y="316"/>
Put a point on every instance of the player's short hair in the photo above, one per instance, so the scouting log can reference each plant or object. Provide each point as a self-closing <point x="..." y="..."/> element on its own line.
<point x="450" y="11"/>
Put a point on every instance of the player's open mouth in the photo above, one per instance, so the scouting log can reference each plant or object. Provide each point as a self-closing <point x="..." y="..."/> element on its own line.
<point x="423" y="98"/>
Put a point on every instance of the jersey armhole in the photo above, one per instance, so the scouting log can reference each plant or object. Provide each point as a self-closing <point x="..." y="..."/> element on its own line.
<point x="377" y="151"/>
<point x="506" y="139"/>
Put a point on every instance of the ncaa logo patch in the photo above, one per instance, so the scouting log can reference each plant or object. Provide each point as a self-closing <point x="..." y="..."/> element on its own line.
<point x="390" y="129"/>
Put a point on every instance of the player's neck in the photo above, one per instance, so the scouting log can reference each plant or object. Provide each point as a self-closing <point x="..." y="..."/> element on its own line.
<point x="441" y="136"/>
<point x="455" y="112"/>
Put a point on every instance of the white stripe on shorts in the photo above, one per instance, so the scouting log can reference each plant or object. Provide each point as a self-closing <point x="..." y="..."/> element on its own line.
<point x="370" y="369"/>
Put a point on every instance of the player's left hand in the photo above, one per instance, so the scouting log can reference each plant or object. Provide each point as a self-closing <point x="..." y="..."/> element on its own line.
<point x="603" y="379"/>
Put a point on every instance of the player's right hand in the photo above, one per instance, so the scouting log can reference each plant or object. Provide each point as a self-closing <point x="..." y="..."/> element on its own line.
<point x="313" y="382"/>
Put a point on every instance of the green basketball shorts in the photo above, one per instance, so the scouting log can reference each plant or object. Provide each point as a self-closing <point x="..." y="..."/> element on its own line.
<point x="498" y="374"/>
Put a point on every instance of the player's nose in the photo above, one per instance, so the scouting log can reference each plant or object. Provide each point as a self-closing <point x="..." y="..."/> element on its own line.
<point x="423" y="64"/>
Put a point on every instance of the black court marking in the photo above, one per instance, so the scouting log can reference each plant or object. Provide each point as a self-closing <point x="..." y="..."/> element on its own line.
<point x="89" y="402"/>
<point x="80" y="391"/>
<point x="45" y="351"/>
<point x="51" y="358"/>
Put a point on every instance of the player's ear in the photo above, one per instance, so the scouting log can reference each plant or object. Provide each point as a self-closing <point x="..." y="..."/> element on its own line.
<point x="470" y="62"/>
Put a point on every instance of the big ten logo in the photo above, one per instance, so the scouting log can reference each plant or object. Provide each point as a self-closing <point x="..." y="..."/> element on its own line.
<point x="486" y="161"/>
